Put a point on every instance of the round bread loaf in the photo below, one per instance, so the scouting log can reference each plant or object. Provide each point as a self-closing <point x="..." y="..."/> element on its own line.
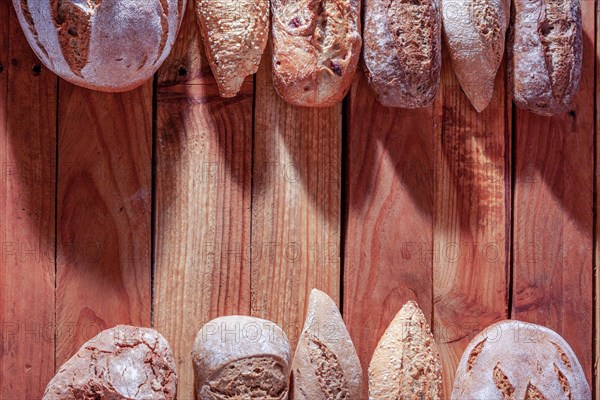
<point x="104" y="45"/>
<point x="519" y="360"/>
<point x="239" y="357"/>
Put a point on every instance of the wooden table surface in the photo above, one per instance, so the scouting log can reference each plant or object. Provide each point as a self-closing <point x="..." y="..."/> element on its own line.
<point x="168" y="206"/>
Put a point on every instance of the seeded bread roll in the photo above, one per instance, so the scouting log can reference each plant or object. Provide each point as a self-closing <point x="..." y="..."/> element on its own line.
<point x="406" y="363"/>
<point x="235" y="34"/>
<point x="518" y="360"/>
<point x="316" y="46"/>
<point x="124" y="362"/>
<point x="545" y="55"/>
<point x="402" y="51"/>
<point x="238" y="357"/>
<point x="325" y="365"/>
<point x="475" y="32"/>
<point x="105" y="45"/>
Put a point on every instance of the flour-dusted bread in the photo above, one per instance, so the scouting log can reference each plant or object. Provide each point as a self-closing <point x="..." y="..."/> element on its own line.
<point x="235" y="34"/>
<point x="545" y="54"/>
<point x="124" y="362"/>
<point x="518" y="360"/>
<point x="316" y="46"/>
<point x="238" y="357"/>
<point x="105" y="45"/>
<point x="402" y="51"/>
<point x="406" y="363"/>
<point x="325" y="364"/>
<point x="475" y="32"/>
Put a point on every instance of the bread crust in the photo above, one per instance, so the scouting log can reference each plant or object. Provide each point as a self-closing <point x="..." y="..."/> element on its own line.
<point x="235" y="34"/>
<point x="402" y="51"/>
<point x="545" y="55"/>
<point x="316" y="46"/>
<point x="110" y="46"/>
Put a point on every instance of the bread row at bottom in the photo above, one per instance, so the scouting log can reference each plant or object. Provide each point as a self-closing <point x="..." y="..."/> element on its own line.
<point x="240" y="357"/>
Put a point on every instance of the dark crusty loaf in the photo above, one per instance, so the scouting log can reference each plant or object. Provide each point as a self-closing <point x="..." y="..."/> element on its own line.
<point x="475" y="32"/>
<point x="316" y="46"/>
<point x="104" y="45"/>
<point x="518" y="360"/>
<point x="545" y="54"/>
<point x="402" y="51"/>
<point x="235" y="34"/>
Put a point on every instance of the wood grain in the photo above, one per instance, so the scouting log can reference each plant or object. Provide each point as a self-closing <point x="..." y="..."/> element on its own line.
<point x="27" y="172"/>
<point x="203" y="172"/>
<point x="104" y="213"/>
<point x="389" y="194"/>
<point x="553" y="216"/>
<point x="471" y="217"/>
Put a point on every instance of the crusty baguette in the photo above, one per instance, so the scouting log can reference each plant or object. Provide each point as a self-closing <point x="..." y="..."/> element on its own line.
<point x="238" y="357"/>
<point x="124" y="362"/>
<point x="103" y="45"/>
<point x="545" y="54"/>
<point x="316" y="46"/>
<point x="325" y="364"/>
<point x="402" y="51"/>
<point x="518" y="360"/>
<point x="475" y="32"/>
<point x="406" y="362"/>
<point x="235" y="34"/>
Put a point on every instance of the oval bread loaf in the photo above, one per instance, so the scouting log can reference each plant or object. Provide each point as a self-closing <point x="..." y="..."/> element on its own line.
<point x="545" y="55"/>
<point x="403" y="51"/>
<point x="316" y="46"/>
<point x="475" y="32"/>
<point x="325" y="365"/>
<point x="406" y="363"/>
<point x="99" y="44"/>
<point x="238" y="357"/>
<point x="235" y="34"/>
<point x="518" y="360"/>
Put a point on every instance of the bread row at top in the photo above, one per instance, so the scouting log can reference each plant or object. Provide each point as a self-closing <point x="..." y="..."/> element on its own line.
<point x="117" y="45"/>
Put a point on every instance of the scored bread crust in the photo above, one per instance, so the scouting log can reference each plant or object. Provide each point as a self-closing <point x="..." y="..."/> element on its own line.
<point x="235" y="34"/>
<point x="316" y="46"/>
<point x="475" y="32"/>
<point x="104" y="45"/>
<point x="402" y="51"/>
<point x="545" y="55"/>
<point x="518" y="360"/>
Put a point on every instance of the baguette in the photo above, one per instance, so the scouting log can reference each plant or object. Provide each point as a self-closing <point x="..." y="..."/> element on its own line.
<point x="110" y="46"/>
<point x="402" y="51"/>
<point x="325" y="365"/>
<point x="235" y="34"/>
<point x="545" y="55"/>
<point x="316" y="46"/>
<point x="475" y="32"/>
<point x="518" y="360"/>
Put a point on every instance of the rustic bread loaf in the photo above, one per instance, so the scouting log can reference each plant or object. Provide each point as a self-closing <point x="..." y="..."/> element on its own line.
<point x="406" y="363"/>
<point x="316" y="46"/>
<point x="325" y="364"/>
<point x="104" y="45"/>
<point x="235" y="34"/>
<point x="545" y="54"/>
<point x="238" y="357"/>
<point x="403" y="51"/>
<point x="124" y="362"/>
<point x="518" y="360"/>
<point x="475" y="32"/>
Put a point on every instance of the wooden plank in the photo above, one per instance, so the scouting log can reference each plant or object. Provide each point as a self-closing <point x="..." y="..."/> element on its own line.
<point x="471" y="219"/>
<point x="295" y="205"/>
<point x="596" y="327"/>
<point x="104" y="213"/>
<point x="389" y="192"/>
<point x="27" y="191"/>
<point x="203" y="173"/>
<point x="553" y="216"/>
